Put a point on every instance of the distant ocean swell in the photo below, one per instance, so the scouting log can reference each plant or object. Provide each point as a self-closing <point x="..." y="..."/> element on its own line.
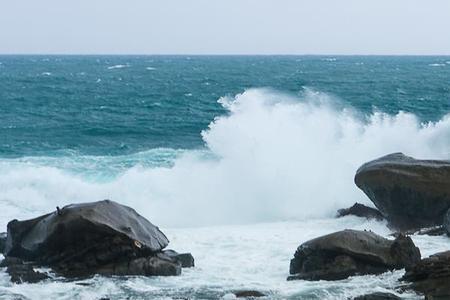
<point x="272" y="157"/>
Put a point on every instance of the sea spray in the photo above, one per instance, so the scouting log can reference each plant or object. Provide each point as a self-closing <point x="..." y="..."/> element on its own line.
<point x="271" y="157"/>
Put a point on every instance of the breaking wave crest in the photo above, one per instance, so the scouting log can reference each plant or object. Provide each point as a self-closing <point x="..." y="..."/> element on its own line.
<point x="272" y="157"/>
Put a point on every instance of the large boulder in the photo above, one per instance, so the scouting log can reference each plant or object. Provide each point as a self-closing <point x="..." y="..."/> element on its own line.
<point x="101" y="237"/>
<point x="351" y="252"/>
<point x="410" y="193"/>
<point x="431" y="276"/>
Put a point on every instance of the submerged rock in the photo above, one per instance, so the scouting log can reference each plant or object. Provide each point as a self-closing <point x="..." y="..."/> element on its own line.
<point x="248" y="294"/>
<point x="101" y="237"/>
<point x="360" y="210"/>
<point x="377" y="296"/>
<point x="351" y="252"/>
<point x="410" y="193"/>
<point x="431" y="276"/>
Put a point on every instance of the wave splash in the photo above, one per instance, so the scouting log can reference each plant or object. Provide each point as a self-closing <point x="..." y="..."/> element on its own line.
<point x="272" y="157"/>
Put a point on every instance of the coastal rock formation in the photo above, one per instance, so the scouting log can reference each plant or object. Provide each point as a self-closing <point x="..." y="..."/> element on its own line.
<point x="21" y="272"/>
<point x="101" y="237"/>
<point x="351" y="252"/>
<point x="446" y="224"/>
<point x="431" y="276"/>
<point x="362" y="211"/>
<point x="410" y="193"/>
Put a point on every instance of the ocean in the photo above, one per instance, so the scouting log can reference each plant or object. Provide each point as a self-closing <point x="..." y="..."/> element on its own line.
<point x="238" y="159"/>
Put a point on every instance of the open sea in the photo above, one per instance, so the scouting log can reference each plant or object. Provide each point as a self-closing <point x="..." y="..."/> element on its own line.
<point x="238" y="159"/>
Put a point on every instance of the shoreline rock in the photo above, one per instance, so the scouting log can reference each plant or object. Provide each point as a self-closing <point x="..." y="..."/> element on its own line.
<point x="431" y="276"/>
<point x="360" y="210"/>
<point x="103" y="237"/>
<point x="347" y="253"/>
<point x="410" y="193"/>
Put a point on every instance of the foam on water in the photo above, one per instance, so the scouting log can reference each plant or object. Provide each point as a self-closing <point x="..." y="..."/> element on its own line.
<point x="272" y="157"/>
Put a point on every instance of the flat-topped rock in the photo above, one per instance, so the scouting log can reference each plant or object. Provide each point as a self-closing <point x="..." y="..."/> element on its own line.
<point x="351" y="252"/>
<point x="410" y="193"/>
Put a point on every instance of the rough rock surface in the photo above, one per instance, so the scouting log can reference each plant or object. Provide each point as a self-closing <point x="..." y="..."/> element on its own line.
<point x="351" y="252"/>
<point x="410" y="193"/>
<point x="2" y="241"/>
<point x="85" y="239"/>
<point x="185" y="259"/>
<point x="21" y="272"/>
<point x="431" y="276"/>
<point x="62" y="234"/>
<point x="360" y="210"/>
<point x="377" y="296"/>
<point x="248" y="294"/>
<point x="446" y="224"/>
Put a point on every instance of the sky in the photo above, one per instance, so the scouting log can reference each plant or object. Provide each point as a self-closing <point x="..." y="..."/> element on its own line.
<point x="414" y="27"/>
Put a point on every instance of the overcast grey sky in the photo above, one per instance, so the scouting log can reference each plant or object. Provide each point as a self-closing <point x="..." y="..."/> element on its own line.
<point x="225" y="26"/>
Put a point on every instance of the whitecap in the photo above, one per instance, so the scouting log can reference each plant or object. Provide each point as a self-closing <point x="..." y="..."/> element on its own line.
<point x="118" y="67"/>
<point x="46" y="73"/>
<point x="150" y="68"/>
<point x="437" y="65"/>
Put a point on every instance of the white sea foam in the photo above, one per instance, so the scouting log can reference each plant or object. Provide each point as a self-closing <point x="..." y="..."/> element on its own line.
<point x="118" y="67"/>
<point x="150" y="68"/>
<point x="437" y="65"/>
<point x="46" y="73"/>
<point x="272" y="157"/>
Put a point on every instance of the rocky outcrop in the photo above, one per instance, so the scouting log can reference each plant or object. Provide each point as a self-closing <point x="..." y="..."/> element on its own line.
<point x="101" y="237"/>
<point x="21" y="272"/>
<point x="431" y="276"/>
<point x="377" y="296"/>
<point x="446" y="224"/>
<point x="360" y="210"/>
<point x="248" y="294"/>
<point x="351" y="252"/>
<point x="410" y="193"/>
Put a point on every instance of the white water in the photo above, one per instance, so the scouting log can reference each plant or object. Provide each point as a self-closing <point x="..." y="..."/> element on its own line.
<point x="274" y="171"/>
<point x="274" y="157"/>
<point x="230" y="258"/>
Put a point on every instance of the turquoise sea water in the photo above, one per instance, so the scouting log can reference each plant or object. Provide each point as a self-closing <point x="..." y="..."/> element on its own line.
<point x="111" y="105"/>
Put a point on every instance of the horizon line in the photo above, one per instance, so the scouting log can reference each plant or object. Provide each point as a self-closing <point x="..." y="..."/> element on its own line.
<point x="208" y="54"/>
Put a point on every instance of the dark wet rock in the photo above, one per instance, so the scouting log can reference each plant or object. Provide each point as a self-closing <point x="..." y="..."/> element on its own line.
<point x="248" y="294"/>
<point x="351" y="252"/>
<point x="377" y="296"/>
<point x="446" y="225"/>
<point x="2" y="241"/>
<point x="21" y="272"/>
<point x="81" y="240"/>
<point x="360" y="210"/>
<point x="432" y="231"/>
<point x="62" y="234"/>
<point x="410" y="193"/>
<point x="431" y="276"/>
<point x="186" y="259"/>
